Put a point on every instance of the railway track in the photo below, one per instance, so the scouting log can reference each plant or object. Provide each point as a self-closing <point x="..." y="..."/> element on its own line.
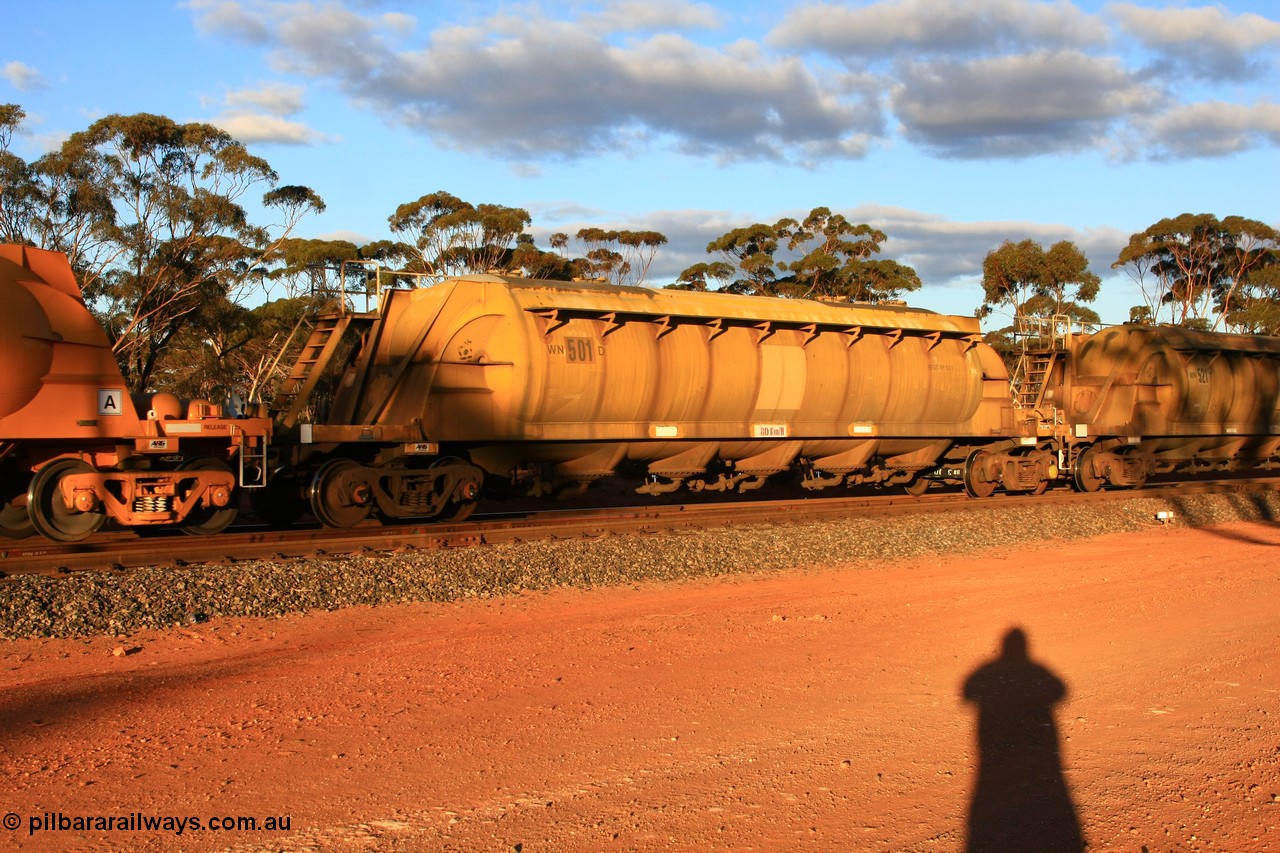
<point x="121" y="550"/>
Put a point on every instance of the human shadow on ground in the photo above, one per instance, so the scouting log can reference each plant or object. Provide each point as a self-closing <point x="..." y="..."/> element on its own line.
<point x="1247" y="507"/>
<point x="1021" y="801"/>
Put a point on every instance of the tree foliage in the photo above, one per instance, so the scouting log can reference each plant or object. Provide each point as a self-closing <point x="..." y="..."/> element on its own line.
<point x="1206" y="272"/>
<point x="698" y="276"/>
<point x="450" y="236"/>
<point x="1031" y="283"/>
<point x="1255" y="308"/>
<point x="231" y="352"/>
<point x="823" y="256"/>
<point x="1038" y="283"/>
<point x="533" y="262"/>
<point x="14" y="177"/>
<point x="749" y="251"/>
<point x="835" y="256"/>
<point x="324" y="271"/>
<point x="181" y="235"/>
<point x="150" y="214"/>
<point x="619" y="257"/>
<point x="58" y="202"/>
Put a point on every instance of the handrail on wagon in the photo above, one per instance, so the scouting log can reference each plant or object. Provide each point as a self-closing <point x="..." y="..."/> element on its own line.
<point x="377" y="280"/>
<point x="1053" y="333"/>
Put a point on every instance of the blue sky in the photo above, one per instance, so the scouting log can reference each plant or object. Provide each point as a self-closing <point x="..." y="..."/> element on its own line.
<point x="951" y="125"/>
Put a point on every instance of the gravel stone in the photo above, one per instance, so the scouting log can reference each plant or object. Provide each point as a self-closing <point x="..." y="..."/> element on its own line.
<point x="117" y="603"/>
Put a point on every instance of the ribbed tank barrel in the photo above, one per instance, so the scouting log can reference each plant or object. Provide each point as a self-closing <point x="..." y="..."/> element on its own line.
<point x="1162" y="379"/>
<point x="586" y="375"/>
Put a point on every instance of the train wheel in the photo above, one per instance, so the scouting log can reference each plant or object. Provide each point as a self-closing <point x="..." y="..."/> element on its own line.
<point x="917" y="487"/>
<point x="15" y="521"/>
<point x="207" y="520"/>
<point x="457" y="511"/>
<point x="457" y="508"/>
<point x="49" y="513"/>
<point x="974" y="485"/>
<point x="339" y="494"/>
<point x="1083" y="477"/>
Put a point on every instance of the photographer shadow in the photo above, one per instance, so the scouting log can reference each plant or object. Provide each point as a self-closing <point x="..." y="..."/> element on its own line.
<point x="1021" y="801"/>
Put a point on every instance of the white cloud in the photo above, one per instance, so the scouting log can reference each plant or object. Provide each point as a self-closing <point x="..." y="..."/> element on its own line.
<point x="250" y="129"/>
<point x="958" y="27"/>
<point x="1016" y="106"/>
<point x="557" y="90"/>
<point x="560" y="89"/>
<point x="264" y="115"/>
<point x="47" y="142"/>
<point x="23" y="77"/>
<point x="274" y="98"/>
<point x="1204" y="41"/>
<point x="246" y="23"/>
<point x="653" y="15"/>
<point x="1210" y="129"/>
<point x="946" y="252"/>
<point x="357" y="238"/>
<point x="965" y="78"/>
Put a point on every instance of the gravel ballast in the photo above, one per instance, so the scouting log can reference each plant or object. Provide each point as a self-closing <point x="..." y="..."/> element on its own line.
<point x="94" y="603"/>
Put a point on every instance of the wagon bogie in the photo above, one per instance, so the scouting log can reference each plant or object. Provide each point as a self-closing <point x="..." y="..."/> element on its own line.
<point x="77" y="448"/>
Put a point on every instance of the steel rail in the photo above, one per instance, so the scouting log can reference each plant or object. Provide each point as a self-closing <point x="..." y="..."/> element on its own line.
<point x="120" y="550"/>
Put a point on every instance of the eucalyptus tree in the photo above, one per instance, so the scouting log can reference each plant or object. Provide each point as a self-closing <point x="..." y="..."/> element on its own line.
<point x="323" y="270"/>
<point x="1201" y="268"/>
<point x="618" y="256"/>
<point x="824" y="256"/>
<point x="15" y="178"/>
<point x="150" y="211"/>
<point x="450" y="236"/>
<point x="600" y="260"/>
<point x="56" y="202"/>
<point x="880" y="280"/>
<point x="536" y="263"/>
<point x="638" y="249"/>
<point x="750" y="252"/>
<point x="1033" y="282"/>
<point x="1256" y="306"/>
<point x="698" y="276"/>
<point x="11" y="116"/>
<point x="835" y="259"/>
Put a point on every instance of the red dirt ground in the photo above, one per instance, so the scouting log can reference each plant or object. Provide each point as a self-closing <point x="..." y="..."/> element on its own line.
<point x="820" y="709"/>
